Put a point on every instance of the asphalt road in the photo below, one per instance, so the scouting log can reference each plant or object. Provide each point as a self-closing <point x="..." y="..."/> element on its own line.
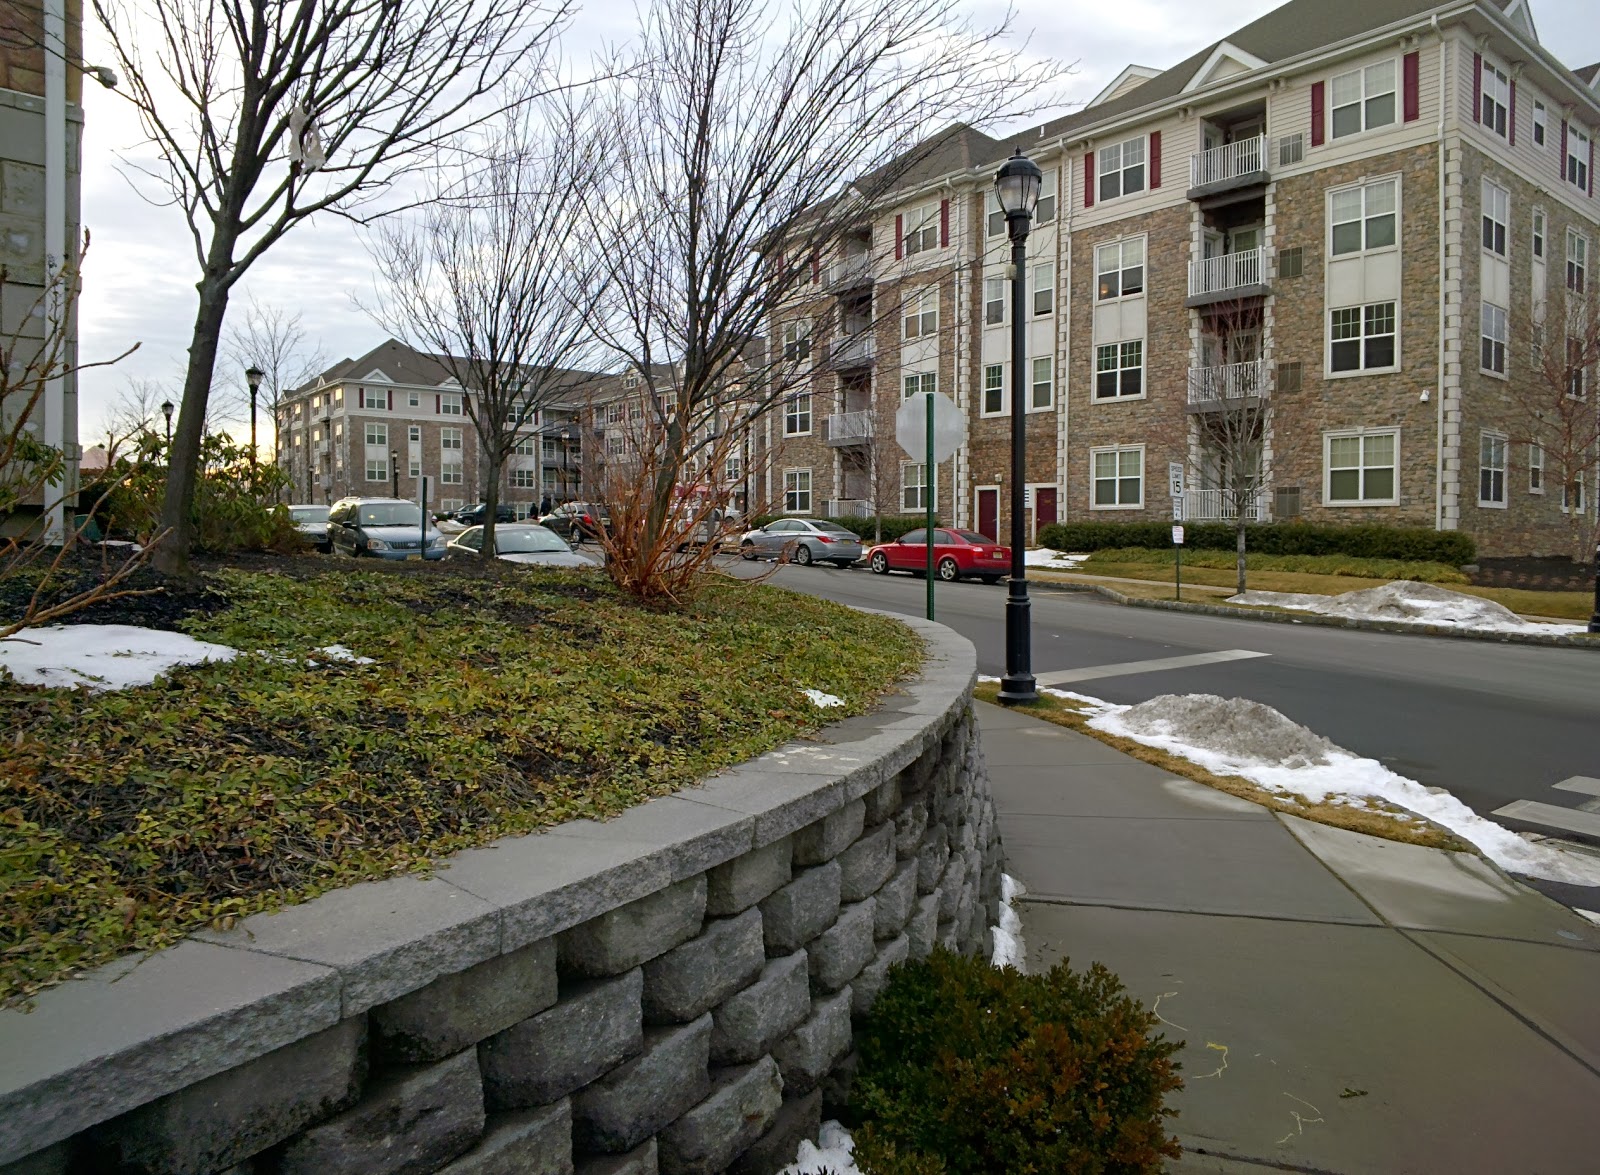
<point x="1490" y="722"/>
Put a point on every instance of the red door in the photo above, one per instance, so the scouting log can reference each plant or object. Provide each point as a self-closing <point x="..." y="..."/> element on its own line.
<point x="1044" y="509"/>
<point x="989" y="514"/>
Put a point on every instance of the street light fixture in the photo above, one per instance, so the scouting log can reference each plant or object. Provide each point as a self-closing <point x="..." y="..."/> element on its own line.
<point x="1594" y="619"/>
<point x="394" y="469"/>
<point x="1016" y="186"/>
<point x="166" y="410"/>
<point x="252" y="375"/>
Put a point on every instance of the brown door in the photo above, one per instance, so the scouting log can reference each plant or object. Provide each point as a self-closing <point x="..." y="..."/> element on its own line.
<point x="1044" y="509"/>
<point x="989" y="514"/>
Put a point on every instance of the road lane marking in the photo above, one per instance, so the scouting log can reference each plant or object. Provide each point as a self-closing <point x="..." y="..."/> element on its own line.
<point x="1126" y="668"/>
<point x="1551" y="816"/>
<point x="1579" y="783"/>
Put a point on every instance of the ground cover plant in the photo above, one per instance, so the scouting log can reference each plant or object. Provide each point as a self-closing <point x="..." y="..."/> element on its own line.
<point x="498" y="699"/>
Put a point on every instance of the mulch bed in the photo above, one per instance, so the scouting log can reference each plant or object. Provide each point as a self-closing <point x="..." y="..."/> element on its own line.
<point x="1542" y="574"/>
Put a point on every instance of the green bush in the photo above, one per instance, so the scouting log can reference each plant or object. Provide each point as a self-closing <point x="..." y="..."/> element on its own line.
<point x="1364" y="541"/>
<point x="971" y="1070"/>
<point x="894" y="525"/>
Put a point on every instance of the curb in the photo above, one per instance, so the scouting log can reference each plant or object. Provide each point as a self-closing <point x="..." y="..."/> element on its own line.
<point x="1311" y="618"/>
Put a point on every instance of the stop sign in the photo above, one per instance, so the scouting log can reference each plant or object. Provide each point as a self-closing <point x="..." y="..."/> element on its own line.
<point x="911" y="426"/>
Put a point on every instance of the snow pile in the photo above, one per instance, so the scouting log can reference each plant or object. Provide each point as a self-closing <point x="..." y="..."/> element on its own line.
<point x="1409" y="602"/>
<point x="341" y="653"/>
<point x="1044" y="557"/>
<point x="822" y="700"/>
<point x="1009" y="949"/>
<point x="101" y="656"/>
<point x="832" y="1154"/>
<point x="1232" y="736"/>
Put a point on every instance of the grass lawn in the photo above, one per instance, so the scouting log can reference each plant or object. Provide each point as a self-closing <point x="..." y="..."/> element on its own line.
<point x="1106" y="563"/>
<point x="502" y="699"/>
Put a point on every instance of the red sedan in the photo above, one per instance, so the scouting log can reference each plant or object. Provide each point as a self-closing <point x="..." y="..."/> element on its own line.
<point x="957" y="554"/>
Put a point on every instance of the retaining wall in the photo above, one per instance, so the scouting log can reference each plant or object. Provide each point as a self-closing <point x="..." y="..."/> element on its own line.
<point x="671" y="991"/>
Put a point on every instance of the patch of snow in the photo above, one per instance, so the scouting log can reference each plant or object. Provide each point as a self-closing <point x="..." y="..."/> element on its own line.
<point x="1590" y="915"/>
<point x="101" y="656"/>
<point x="341" y="653"/>
<point x="1054" y="560"/>
<point x="1233" y="736"/>
<point x="1009" y="949"/>
<point x="1409" y="602"/>
<point x="120" y="544"/>
<point x="832" y="1154"/>
<point x="823" y="700"/>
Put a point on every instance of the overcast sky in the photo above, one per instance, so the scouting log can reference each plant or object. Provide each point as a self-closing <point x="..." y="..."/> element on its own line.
<point x="141" y="269"/>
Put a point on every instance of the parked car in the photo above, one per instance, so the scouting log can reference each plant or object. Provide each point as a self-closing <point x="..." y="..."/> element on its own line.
<point x="577" y="521"/>
<point x="519" y="543"/>
<point x="717" y="528"/>
<point x="804" y="541"/>
<point x="475" y="515"/>
<point x="384" y="528"/>
<point x="957" y="554"/>
<point x="312" y="521"/>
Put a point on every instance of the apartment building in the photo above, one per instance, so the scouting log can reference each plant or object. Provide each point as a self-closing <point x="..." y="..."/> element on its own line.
<point x="1350" y="217"/>
<point x="378" y="424"/>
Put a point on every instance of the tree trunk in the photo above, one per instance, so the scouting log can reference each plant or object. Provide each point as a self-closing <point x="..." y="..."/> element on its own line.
<point x="491" y="502"/>
<point x="1238" y="536"/>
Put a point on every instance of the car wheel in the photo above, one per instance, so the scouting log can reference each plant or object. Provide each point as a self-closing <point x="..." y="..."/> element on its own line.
<point x="880" y="563"/>
<point x="747" y="550"/>
<point x="949" y="570"/>
<point x="802" y="555"/>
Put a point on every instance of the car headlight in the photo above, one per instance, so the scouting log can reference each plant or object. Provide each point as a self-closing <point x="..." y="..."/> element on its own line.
<point x="377" y="545"/>
<point x="437" y="542"/>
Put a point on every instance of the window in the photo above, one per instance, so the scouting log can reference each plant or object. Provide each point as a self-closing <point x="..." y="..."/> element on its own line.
<point x="524" y="479"/>
<point x="913" y="487"/>
<point x="1122" y="169"/>
<point x="1361" y="468"/>
<point x="1572" y="495"/>
<point x="1536" y="469"/>
<point x="1491" y="469"/>
<point x="796" y="342"/>
<point x="919" y="383"/>
<point x="1120" y="268"/>
<point x="414" y="434"/>
<point x="548" y="448"/>
<point x="922" y="313"/>
<point x="1577" y="261"/>
<point x="1577" y="158"/>
<point x="377" y="469"/>
<point x="922" y="230"/>
<point x="1576" y="373"/>
<point x="1362" y="338"/>
<point x="413" y="399"/>
<point x="450" y="439"/>
<point x="1044" y="383"/>
<point x="1119" y="370"/>
<point x="377" y="434"/>
<point x="1292" y="262"/>
<point x="797" y="416"/>
<point x="1538" y="233"/>
<point x="1493" y="349"/>
<point x="450" y="473"/>
<point x="1363" y="99"/>
<point x="414" y="467"/>
<point x="374" y="398"/>
<point x="614" y="413"/>
<point x="526" y="447"/>
<point x="450" y="404"/>
<point x="1045" y="210"/>
<point x="797" y="491"/>
<point x="1496" y="99"/>
<point x="1291" y="149"/>
<point x="1496" y="217"/>
<point x="1289" y="375"/>
<point x="733" y="469"/>
<point x="1044" y="289"/>
<point x="1363" y="217"/>
<point x="1118" y="478"/>
<point x="994" y="389"/>
<point x="995" y="222"/>
<point x="1540" y="118"/>
<point x="994" y="301"/>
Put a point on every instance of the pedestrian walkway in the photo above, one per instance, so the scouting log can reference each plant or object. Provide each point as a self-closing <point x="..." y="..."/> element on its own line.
<point x="1348" y="1004"/>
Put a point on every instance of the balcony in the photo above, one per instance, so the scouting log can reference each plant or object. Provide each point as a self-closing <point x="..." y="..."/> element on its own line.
<point x="1218" y="506"/>
<point x="848" y="428"/>
<point x="1227" y="277"/>
<point x="1232" y="384"/>
<point x="850" y="351"/>
<point x="849" y="508"/>
<point x="849" y="274"/>
<point x="1230" y="168"/>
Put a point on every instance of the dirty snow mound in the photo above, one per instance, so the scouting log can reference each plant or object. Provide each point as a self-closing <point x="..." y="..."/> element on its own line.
<point x="1234" y="727"/>
<point x="101" y="656"/>
<point x="1408" y="602"/>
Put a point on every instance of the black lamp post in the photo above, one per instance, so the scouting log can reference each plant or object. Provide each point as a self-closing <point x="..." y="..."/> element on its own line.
<point x="394" y="469"/>
<point x="1017" y="186"/>
<point x="252" y="375"/>
<point x="166" y="410"/>
<point x="1594" y="619"/>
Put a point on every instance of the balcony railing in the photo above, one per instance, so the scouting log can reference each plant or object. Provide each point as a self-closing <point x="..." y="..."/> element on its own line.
<point x="1231" y="161"/>
<point x="1227" y="272"/>
<point x="1219" y="506"/>
<point x="848" y="273"/>
<point x="1233" y="381"/>
<point x="849" y="508"/>
<point x="848" y="428"/>
<point x="852" y="350"/>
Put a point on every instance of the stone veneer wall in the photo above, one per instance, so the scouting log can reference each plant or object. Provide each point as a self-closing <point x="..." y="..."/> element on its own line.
<point x="669" y="991"/>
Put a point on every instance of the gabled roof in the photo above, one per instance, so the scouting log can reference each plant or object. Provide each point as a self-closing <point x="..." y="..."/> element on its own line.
<point x="395" y="362"/>
<point x="952" y="150"/>
<point x="1224" y="61"/>
<point x="1129" y="79"/>
<point x="1590" y="75"/>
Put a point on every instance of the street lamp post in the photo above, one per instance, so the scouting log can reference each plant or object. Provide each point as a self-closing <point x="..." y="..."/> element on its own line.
<point x="1594" y="619"/>
<point x="1017" y="186"/>
<point x="252" y="375"/>
<point x="394" y="469"/>
<point x="166" y="410"/>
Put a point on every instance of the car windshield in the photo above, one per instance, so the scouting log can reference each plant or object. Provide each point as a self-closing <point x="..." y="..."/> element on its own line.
<point x="391" y="514"/>
<point x="515" y="540"/>
<point x="973" y="536"/>
<point x="308" y="513"/>
<point x="834" y="528"/>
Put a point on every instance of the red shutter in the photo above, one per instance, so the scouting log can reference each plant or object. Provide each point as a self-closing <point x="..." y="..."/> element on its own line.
<point x="899" y="236"/>
<point x="1477" y="87"/>
<point x="816" y="267"/>
<point x="1088" y="179"/>
<point x="1319" y="112"/>
<point x="1591" y="161"/>
<point x="1511" y="116"/>
<point x="1155" y="160"/>
<point x="1561" y="155"/>
<point x="438" y="404"/>
<point x="1411" y="68"/>
<point x="391" y="399"/>
<point x="944" y="223"/>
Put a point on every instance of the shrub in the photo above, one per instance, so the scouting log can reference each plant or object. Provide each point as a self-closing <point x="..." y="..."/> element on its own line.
<point x="1364" y="541"/>
<point x="988" y="1070"/>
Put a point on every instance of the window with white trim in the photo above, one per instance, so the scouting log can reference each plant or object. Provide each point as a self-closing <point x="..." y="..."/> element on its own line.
<point x="913" y="487"/>
<point x="1119" y="268"/>
<point x="994" y="301"/>
<point x="452" y="472"/>
<point x="1577" y="261"/>
<point x="414" y="465"/>
<point x="1042" y="391"/>
<point x="1044" y="289"/>
<point x="994" y="390"/>
<point x="526" y="447"/>
<point x="796" y="341"/>
<point x="797" y="491"/>
<point x="922" y="229"/>
<point x="1360" y="468"/>
<point x="1541" y="118"/>
<point x="1494" y="113"/>
<point x="797" y="416"/>
<point x="1491" y="469"/>
<point x="450" y="439"/>
<point x="450" y="404"/>
<point x="1536" y="468"/>
<point x="377" y="469"/>
<point x="1121" y="168"/>
<point x="1363" y="217"/>
<point x="614" y="412"/>
<point x="919" y="383"/>
<point x="1493" y="336"/>
<point x="524" y="479"/>
<point x="1577" y="168"/>
<point x="921" y="313"/>
<point x="374" y="398"/>
<point x="413" y="399"/>
<point x="1363" y="99"/>
<point x="1362" y="338"/>
<point x="1118" y="479"/>
<point x="1119" y="369"/>
<point x="1572" y="496"/>
<point x="1577" y="372"/>
<point x="994" y="223"/>
<point x="377" y="434"/>
<point x="1538" y="234"/>
<point x="1496" y="218"/>
<point x="1045" y="210"/>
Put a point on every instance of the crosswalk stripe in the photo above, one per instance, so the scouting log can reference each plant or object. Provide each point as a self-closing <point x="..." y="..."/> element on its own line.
<point x="1126" y="668"/>
<point x="1580" y="783"/>
<point x="1567" y="819"/>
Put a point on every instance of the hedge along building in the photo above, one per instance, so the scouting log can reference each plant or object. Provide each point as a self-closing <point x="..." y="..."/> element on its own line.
<point x="1350" y="212"/>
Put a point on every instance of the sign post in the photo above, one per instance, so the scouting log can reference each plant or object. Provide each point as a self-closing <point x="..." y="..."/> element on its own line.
<point x="932" y="430"/>
<point x="1177" y="579"/>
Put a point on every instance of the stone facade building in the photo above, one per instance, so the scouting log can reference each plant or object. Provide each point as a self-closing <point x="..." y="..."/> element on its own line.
<point x="1351" y="216"/>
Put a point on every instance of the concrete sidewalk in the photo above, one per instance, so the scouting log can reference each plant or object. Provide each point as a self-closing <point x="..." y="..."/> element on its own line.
<point x="1349" y="1004"/>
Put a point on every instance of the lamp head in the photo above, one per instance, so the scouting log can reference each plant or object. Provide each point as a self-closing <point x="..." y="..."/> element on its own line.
<point x="253" y="375"/>
<point x="1016" y="187"/>
<point x="166" y="409"/>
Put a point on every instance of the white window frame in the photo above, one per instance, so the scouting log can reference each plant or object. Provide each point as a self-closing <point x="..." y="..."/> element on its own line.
<point x="1494" y="333"/>
<point x="1494" y="108"/>
<point x="527" y="446"/>
<point x="1578" y="377"/>
<point x="1496" y="219"/>
<point x="1577" y="261"/>
<point x="995" y="300"/>
<point x="524" y="479"/>
<point x="994" y="216"/>
<point x="452" y="440"/>
<point x="922" y="230"/>
<point x="378" y="468"/>
<point x="1123" y="365"/>
<point x="918" y="318"/>
<point x="452" y="473"/>
<point x="414" y="434"/>
<point x="1044" y="212"/>
<point x="1042" y="300"/>
<point x="797" y="491"/>
<point x="1002" y="392"/>
<point x="1362" y="338"/>
<point x="1121" y="152"/>
<point x="376" y="434"/>
<point x="413" y="399"/>
<point x="917" y="383"/>
<point x="374" y="398"/>
<point x="1370" y="194"/>
<point x="1118" y="477"/>
<point x="1492" y="450"/>
<point x="1363" y="434"/>
<point x="913" y="487"/>
<point x="1112" y="258"/>
<point x="1538" y="232"/>
<point x="1047" y="382"/>
<point x="733" y="468"/>
<point x="1535" y="468"/>
<point x="1540" y="124"/>
<point x="797" y="341"/>
<point x="1575" y="168"/>
<point x="1567" y="505"/>
<point x="450" y="404"/>
<point x="797" y="416"/>
<point x="414" y="466"/>
<point x="1367" y="98"/>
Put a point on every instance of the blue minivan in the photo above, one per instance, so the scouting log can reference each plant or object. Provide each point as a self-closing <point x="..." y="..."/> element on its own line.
<point x="383" y="528"/>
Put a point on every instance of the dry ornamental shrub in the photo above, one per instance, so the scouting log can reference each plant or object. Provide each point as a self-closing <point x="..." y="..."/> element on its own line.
<point x="967" y="1069"/>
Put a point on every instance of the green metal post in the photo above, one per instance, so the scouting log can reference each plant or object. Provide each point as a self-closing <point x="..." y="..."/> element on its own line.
<point x="927" y="491"/>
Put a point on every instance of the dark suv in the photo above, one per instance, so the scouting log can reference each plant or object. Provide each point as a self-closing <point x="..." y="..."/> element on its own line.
<point x="577" y="521"/>
<point x="385" y="528"/>
<point x="474" y="515"/>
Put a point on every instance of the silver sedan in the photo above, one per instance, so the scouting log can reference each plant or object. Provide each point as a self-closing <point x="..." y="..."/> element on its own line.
<point x="517" y="543"/>
<point x="802" y="541"/>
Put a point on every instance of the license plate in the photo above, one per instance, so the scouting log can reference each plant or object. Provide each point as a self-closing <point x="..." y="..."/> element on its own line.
<point x="413" y="556"/>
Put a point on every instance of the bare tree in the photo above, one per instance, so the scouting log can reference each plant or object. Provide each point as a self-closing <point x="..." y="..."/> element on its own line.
<point x="745" y="148"/>
<point x="493" y="277"/>
<point x="274" y="342"/>
<point x="137" y="407"/>
<point x="264" y="113"/>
